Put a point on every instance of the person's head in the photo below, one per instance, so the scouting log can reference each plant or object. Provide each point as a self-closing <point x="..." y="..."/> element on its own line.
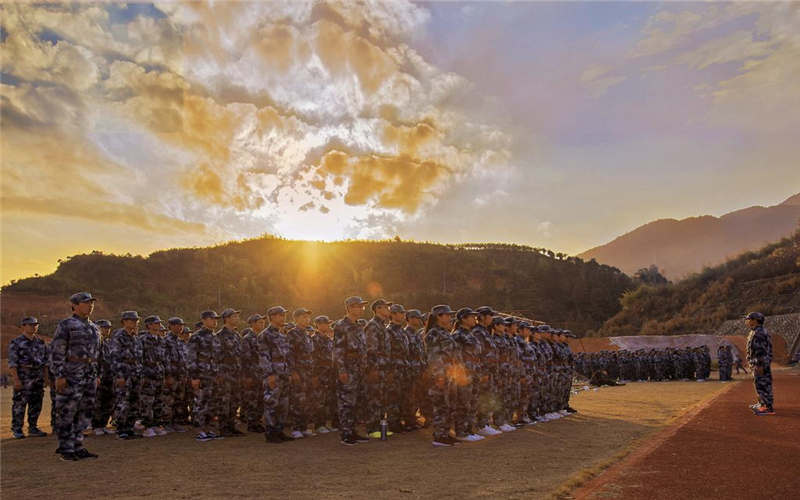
<point x="257" y="322"/>
<point x="380" y="308"/>
<point x="302" y="317"/>
<point x="210" y="319"/>
<point x="105" y="327"/>
<point x="397" y="314"/>
<point x="498" y="325"/>
<point x="29" y="325"/>
<point x="130" y="321"/>
<point x="230" y="318"/>
<point x="323" y="324"/>
<point x="82" y="304"/>
<point x="512" y="326"/>
<point x="176" y="325"/>
<point x="153" y="324"/>
<point x="414" y="318"/>
<point x="440" y="316"/>
<point x="754" y="319"/>
<point x="466" y="318"/>
<point x="354" y="307"/>
<point x="485" y="316"/>
<point x="525" y="330"/>
<point x="276" y="316"/>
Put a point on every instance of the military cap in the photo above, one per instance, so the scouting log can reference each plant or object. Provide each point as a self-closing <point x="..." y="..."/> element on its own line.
<point x="397" y="308"/>
<point x="543" y="329"/>
<point x="485" y="310"/>
<point x="272" y="311"/>
<point x="129" y="315"/>
<point x="464" y="312"/>
<point x="301" y="311"/>
<point x="29" y="320"/>
<point x="355" y="300"/>
<point x="229" y="312"/>
<point x="209" y="314"/>
<point x="414" y="313"/>
<point x="525" y="324"/>
<point x="379" y="302"/>
<point x="254" y="317"/>
<point x="102" y="323"/>
<point x="509" y="321"/>
<point x="152" y="319"/>
<point x="81" y="297"/>
<point x="756" y="316"/>
<point x="321" y="319"/>
<point x="498" y="320"/>
<point x="175" y="321"/>
<point x="442" y="309"/>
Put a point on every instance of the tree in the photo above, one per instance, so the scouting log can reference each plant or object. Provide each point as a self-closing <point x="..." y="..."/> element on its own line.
<point x="650" y="276"/>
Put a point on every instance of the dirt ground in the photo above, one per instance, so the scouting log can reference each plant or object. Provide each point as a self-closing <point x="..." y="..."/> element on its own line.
<point x="537" y="461"/>
<point x="724" y="451"/>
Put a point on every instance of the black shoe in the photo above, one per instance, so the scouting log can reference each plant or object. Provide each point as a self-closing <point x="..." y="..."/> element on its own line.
<point x="36" y="432"/>
<point x="133" y="435"/>
<point x="348" y="440"/>
<point x="571" y="409"/>
<point x="18" y="434"/>
<point x="273" y="437"/>
<point x="450" y="441"/>
<point x="256" y="428"/>
<point x="236" y="432"/>
<point x="69" y="457"/>
<point x="359" y="438"/>
<point x="284" y="437"/>
<point x="84" y="453"/>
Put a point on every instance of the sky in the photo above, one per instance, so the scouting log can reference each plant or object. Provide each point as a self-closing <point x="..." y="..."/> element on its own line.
<point x="133" y="128"/>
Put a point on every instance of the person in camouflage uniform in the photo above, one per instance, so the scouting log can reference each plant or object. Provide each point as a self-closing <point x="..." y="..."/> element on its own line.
<point x="443" y="355"/>
<point x="398" y="375"/>
<point x="417" y="396"/>
<point x="377" y="366"/>
<point x="527" y="357"/>
<point x="125" y="362"/>
<point x="466" y="403"/>
<point x="535" y="408"/>
<point x="73" y="355"/>
<point x="226" y="391"/>
<point x="275" y="353"/>
<point x="350" y="364"/>
<point x="27" y="364"/>
<point x="759" y="357"/>
<point x="490" y="360"/>
<point x="202" y="355"/>
<point x="323" y="400"/>
<point x="252" y="411"/>
<point x="152" y="377"/>
<point x="104" y="404"/>
<point x="503" y="383"/>
<point x="724" y="363"/>
<point x="300" y="405"/>
<point x="173" y="394"/>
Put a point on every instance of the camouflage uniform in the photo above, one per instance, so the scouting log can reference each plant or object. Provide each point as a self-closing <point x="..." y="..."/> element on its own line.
<point x="173" y="397"/>
<point x="527" y="357"/>
<point x="74" y="351"/>
<point x="202" y="353"/>
<point x="275" y="354"/>
<point x="349" y="358"/>
<point x="503" y="383"/>
<point x="152" y="378"/>
<point x="376" y="372"/>
<point x="125" y="362"/>
<point x="487" y="397"/>
<point x="29" y="357"/>
<point x="323" y="401"/>
<point x="442" y="356"/>
<point x="547" y="401"/>
<point x="226" y="390"/>
<point x="759" y="354"/>
<point x="466" y="404"/>
<point x="104" y="405"/>
<point x="252" y="411"/>
<point x="300" y="408"/>
<point x="538" y="373"/>
<point x="398" y="373"/>
<point x="417" y="396"/>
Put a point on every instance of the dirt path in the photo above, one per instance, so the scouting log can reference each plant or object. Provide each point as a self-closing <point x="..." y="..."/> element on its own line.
<point x="534" y="462"/>
<point x="723" y="451"/>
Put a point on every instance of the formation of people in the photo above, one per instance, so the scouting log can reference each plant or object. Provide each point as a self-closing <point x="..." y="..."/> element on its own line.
<point x="468" y="374"/>
<point x="656" y="365"/>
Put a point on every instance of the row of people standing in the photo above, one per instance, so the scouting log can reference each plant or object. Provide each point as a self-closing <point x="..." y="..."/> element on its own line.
<point x="690" y="363"/>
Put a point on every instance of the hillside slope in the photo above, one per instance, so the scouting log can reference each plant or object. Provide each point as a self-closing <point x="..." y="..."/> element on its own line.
<point x="681" y="247"/>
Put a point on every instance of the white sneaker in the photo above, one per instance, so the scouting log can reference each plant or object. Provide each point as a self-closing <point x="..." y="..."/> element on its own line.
<point x="109" y="430"/>
<point x="493" y="431"/>
<point x="333" y="429"/>
<point x="99" y="432"/>
<point x="322" y="430"/>
<point x="507" y="428"/>
<point x="169" y="428"/>
<point x="179" y="428"/>
<point x="526" y="420"/>
<point x="138" y="425"/>
<point x="161" y="431"/>
<point x="308" y="433"/>
<point x="463" y="438"/>
<point x="149" y="432"/>
<point x="476" y="437"/>
<point x="485" y="431"/>
<point x="297" y="435"/>
<point x="563" y="412"/>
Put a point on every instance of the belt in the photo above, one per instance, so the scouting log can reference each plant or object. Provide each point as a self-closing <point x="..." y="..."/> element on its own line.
<point x="76" y="359"/>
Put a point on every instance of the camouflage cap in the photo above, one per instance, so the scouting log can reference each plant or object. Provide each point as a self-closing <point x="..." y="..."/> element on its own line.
<point x="485" y="311"/>
<point x="756" y="316"/>
<point x="414" y="313"/>
<point x="378" y="303"/>
<point x="498" y="320"/>
<point x="152" y="319"/>
<point x="321" y="319"/>
<point x="133" y="315"/>
<point x="397" y="308"/>
<point x="102" y="323"/>
<point x="354" y="300"/>
<point x="227" y="313"/>
<point x="29" y="320"/>
<point x="509" y="321"/>
<point x="464" y="312"/>
<point x="209" y="314"/>
<point x="254" y="317"/>
<point x="81" y="297"/>
<point x="300" y="311"/>
<point x="442" y="309"/>
<point x="272" y="311"/>
<point x="175" y="321"/>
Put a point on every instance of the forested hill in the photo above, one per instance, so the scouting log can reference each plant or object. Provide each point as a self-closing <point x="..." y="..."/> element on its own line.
<point x="767" y="280"/>
<point x="255" y="274"/>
